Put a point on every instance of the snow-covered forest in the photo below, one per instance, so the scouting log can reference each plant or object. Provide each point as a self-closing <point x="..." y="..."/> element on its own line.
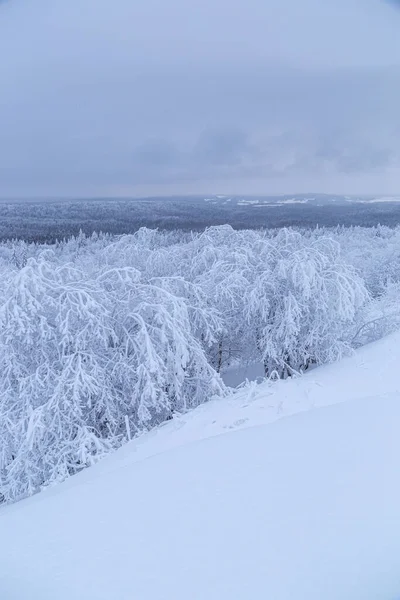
<point x="104" y="337"/>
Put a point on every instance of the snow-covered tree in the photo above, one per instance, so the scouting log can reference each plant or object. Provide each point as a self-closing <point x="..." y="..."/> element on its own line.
<point x="86" y="363"/>
<point x="301" y="303"/>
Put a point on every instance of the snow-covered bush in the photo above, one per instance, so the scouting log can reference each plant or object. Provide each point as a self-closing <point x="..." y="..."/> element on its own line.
<point x="379" y="317"/>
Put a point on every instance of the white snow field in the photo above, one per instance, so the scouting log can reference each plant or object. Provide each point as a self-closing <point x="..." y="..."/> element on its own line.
<point x="305" y="507"/>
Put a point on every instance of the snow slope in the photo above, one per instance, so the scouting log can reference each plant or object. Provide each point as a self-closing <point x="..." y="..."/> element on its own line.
<point x="306" y="507"/>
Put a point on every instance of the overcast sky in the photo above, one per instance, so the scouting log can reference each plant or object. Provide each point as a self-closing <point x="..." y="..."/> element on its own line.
<point x="132" y="97"/>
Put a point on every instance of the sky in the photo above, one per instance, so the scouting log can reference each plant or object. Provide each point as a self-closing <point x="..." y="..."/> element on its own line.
<point x="143" y="97"/>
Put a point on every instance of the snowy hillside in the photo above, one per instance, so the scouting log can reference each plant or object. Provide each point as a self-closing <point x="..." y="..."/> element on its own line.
<point x="305" y="507"/>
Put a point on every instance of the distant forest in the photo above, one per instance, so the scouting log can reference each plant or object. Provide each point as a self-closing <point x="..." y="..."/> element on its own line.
<point x="51" y="220"/>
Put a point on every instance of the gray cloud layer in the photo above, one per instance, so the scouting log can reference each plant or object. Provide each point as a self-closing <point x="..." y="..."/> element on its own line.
<point x="156" y="97"/>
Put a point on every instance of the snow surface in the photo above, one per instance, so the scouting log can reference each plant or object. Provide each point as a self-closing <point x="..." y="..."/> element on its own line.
<point x="293" y="201"/>
<point x="377" y="200"/>
<point x="304" y="507"/>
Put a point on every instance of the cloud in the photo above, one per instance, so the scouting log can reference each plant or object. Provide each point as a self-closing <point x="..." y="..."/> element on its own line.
<point x="222" y="147"/>
<point x="148" y="96"/>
